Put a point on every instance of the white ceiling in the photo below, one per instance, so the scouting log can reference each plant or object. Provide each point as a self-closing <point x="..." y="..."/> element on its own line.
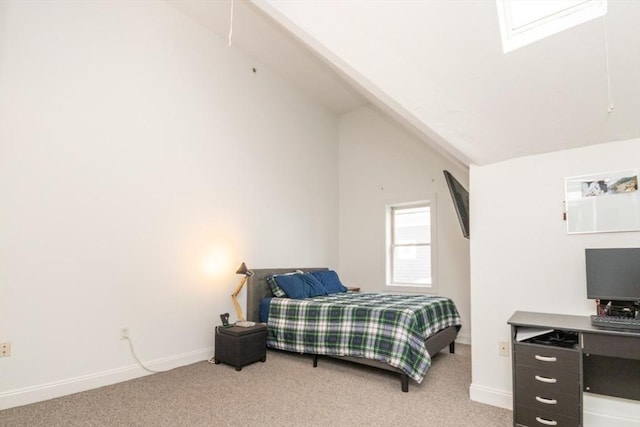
<point x="438" y="68"/>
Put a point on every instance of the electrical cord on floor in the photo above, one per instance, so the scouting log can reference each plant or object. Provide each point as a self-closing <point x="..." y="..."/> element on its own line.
<point x="135" y="356"/>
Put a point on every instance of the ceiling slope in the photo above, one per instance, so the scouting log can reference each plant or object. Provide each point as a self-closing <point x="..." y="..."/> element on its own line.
<point x="438" y="68"/>
<point x="441" y="62"/>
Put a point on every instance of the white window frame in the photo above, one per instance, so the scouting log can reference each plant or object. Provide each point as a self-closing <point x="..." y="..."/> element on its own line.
<point x="429" y="287"/>
<point x="518" y="29"/>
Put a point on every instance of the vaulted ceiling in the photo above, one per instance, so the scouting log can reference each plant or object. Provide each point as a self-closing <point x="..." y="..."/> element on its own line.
<point x="438" y="68"/>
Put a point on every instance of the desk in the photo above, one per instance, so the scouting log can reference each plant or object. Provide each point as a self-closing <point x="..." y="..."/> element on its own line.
<point x="548" y="381"/>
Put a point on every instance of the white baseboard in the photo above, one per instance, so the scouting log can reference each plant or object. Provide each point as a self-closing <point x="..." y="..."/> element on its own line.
<point x="591" y="419"/>
<point x="38" y="393"/>
<point x="606" y="411"/>
<point x="491" y="396"/>
<point x="464" y="339"/>
<point x="599" y="411"/>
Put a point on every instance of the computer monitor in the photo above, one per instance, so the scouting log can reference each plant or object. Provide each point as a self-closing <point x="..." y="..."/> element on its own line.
<point x="613" y="274"/>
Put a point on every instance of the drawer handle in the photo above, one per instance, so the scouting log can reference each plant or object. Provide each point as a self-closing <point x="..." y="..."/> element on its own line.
<point x="546" y="422"/>
<point x="546" y="358"/>
<point x="545" y="379"/>
<point x="546" y="401"/>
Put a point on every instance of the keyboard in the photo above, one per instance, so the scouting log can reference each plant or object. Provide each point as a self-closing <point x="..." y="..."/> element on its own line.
<point x="616" y="322"/>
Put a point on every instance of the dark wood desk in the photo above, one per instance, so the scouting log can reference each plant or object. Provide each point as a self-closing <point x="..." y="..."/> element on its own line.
<point x="548" y="380"/>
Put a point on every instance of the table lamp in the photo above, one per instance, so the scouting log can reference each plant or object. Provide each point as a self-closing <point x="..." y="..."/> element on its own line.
<point x="246" y="273"/>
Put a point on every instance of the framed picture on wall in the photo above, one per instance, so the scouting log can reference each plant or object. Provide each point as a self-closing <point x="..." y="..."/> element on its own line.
<point x="603" y="202"/>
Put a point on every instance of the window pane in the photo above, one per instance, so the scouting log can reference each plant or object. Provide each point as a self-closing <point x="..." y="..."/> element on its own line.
<point x="412" y="225"/>
<point x="412" y="265"/>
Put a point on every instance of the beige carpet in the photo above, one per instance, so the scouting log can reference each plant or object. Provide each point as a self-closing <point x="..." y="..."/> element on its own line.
<point x="284" y="391"/>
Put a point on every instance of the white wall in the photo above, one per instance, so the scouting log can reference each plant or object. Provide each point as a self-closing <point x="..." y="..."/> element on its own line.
<point x="135" y="145"/>
<point x="523" y="259"/>
<point x="383" y="164"/>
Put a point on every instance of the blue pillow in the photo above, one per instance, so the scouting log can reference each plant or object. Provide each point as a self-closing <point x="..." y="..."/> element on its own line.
<point x="299" y="286"/>
<point x="314" y="286"/>
<point x="292" y="285"/>
<point x="275" y="289"/>
<point x="330" y="281"/>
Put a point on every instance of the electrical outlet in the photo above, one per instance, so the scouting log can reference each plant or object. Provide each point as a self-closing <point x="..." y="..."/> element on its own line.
<point x="503" y="348"/>
<point x="5" y="349"/>
<point x="124" y="333"/>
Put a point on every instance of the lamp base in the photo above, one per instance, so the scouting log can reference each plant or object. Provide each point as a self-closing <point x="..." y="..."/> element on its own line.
<point x="244" y="323"/>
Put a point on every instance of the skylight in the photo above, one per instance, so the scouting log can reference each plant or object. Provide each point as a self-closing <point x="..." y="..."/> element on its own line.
<point x="526" y="21"/>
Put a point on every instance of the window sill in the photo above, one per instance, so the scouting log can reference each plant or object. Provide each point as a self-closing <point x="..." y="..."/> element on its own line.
<point x="414" y="289"/>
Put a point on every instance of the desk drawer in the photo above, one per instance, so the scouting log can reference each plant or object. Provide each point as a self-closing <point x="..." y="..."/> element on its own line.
<point x="531" y="417"/>
<point x="560" y="359"/>
<point x="547" y="380"/>
<point x="625" y="347"/>
<point x="552" y="401"/>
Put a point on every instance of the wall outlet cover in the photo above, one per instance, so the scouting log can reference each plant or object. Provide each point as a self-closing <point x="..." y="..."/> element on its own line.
<point x="503" y="348"/>
<point x="5" y="349"/>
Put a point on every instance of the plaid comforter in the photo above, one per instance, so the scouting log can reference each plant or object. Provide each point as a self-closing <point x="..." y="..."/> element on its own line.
<point x="385" y="327"/>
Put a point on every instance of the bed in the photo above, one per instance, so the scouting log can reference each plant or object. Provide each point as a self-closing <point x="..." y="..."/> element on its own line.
<point x="416" y="357"/>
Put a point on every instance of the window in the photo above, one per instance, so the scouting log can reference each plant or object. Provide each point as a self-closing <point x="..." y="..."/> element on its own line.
<point x="409" y="245"/>
<point x="526" y="21"/>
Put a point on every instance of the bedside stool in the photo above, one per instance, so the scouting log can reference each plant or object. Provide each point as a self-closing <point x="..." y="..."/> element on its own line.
<point x="239" y="346"/>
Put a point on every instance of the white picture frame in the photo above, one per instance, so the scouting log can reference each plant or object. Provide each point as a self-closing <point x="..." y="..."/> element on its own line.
<point x="603" y="202"/>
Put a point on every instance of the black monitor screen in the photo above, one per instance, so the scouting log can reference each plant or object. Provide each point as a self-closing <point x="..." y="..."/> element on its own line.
<point x="613" y="274"/>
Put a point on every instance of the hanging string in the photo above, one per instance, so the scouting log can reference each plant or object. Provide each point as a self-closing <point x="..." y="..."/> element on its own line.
<point x="231" y="23"/>
<point x="606" y="54"/>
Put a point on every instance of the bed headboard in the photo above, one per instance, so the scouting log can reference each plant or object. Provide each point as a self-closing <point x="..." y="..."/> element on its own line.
<point x="258" y="288"/>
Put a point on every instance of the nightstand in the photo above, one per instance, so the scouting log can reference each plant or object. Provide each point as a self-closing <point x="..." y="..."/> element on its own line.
<point x="353" y="288"/>
<point x="239" y="346"/>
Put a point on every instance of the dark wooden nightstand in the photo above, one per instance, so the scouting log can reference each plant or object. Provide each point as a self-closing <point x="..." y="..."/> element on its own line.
<point x="239" y="346"/>
<point x="353" y="288"/>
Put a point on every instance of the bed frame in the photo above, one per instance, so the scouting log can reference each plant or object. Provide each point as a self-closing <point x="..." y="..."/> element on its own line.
<point x="258" y="288"/>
